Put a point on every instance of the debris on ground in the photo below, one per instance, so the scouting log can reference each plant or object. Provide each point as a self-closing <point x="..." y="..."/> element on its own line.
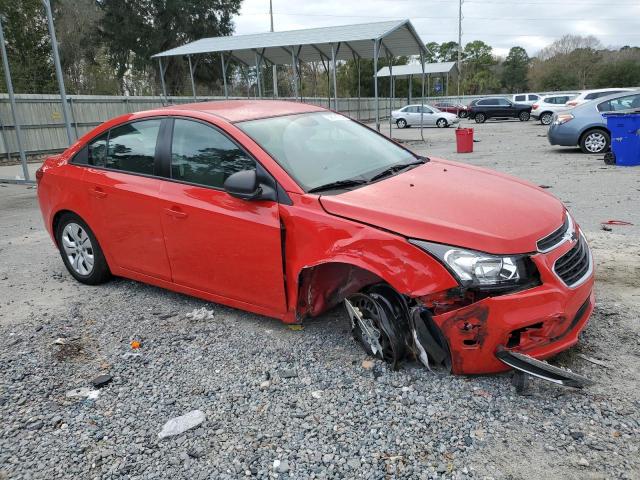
<point x="135" y="344"/>
<point x="545" y="186"/>
<point x="367" y="364"/>
<point x="288" y="373"/>
<point x="181" y="424"/>
<point x="595" y="361"/>
<point x="83" y="392"/>
<point x="295" y="327"/>
<point x="101" y="380"/>
<point x="200" y="314"/>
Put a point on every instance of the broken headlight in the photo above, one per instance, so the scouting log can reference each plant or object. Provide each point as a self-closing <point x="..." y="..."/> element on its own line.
<point x="483" y="271"/>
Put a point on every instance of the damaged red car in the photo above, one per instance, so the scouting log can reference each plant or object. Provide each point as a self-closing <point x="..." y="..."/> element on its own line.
<point x="286" y="210"/>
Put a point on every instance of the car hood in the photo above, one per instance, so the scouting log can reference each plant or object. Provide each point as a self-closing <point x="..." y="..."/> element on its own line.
<point x="455" y="204"/>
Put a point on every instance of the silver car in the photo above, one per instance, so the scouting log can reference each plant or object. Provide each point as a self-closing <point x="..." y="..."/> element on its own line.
<point x="410" y="115"/>
<point x="584" y="125"/>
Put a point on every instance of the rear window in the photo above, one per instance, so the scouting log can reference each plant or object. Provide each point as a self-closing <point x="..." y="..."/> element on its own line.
<point x="622" y="103"/>
<point x="593" y="95"/>
<point x="520" y="98"/>
<point x="533" y="97"/>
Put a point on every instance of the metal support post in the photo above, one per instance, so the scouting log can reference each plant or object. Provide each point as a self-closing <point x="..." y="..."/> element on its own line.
<point x="164" y="86"/>
<point x="56" y="62"/>
<point x="294" y="67"/>
<point x="258" y="79"/>
<point x="12" y="101"/>
<point x="358" y="66"/>
<point x="390" y="93"/>
<point x="224" y="75"/>
<point x="422" y="99"/>
<point x="410" y="87"/>
<point x="193" y="83"/>
<point x="376" y="48"/>
<point x="333" y="74"/>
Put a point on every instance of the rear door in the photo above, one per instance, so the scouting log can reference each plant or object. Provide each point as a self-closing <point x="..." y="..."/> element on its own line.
<point x="505" y="108"/>
<point x="218" y="243"/>
<point x="122" y="188"/>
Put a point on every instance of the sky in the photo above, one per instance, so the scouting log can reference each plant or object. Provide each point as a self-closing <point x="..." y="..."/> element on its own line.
<point x="531" y="24"/>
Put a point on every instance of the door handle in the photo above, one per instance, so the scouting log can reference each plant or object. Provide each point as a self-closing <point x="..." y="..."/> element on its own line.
<point x="97" y="192"/>
<point x="172" y="212"/>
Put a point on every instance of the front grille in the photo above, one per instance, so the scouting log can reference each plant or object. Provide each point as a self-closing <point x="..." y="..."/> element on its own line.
<point x="575" y="264"/>
<point x="554" y="238"/>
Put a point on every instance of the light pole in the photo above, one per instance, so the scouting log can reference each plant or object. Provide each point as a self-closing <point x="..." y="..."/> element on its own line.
<point x="274" y="69"/>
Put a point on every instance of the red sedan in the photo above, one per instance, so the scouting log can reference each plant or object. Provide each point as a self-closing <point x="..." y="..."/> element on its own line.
<point x="286" y="209"/>
<point x="458" y="109"/>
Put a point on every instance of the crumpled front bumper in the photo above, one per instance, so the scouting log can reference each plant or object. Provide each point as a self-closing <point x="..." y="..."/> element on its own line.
<point x="540" y="322"/>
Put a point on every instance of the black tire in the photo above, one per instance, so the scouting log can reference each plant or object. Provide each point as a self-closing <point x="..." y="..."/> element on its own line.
<point x="546" y="118"/>
<point x="481" y="118"/>
<point x="401" y="123"/>
<point x="463" y="114"/>
<point x="442" y="123"/>
<point x="99" y="272"/>
<point x="595" y="141"/>
<point x="524" y="116"/>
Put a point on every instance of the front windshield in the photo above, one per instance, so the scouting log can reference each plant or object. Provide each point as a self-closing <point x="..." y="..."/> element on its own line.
<point x="323" y="147"/>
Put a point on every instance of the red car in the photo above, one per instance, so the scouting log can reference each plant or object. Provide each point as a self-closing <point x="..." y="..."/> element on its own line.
<point x="286" y="210"/>
<point x="458" y="109"/>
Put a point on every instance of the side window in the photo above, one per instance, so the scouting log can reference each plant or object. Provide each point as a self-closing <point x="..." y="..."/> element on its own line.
<point x="201" y="154"/>
<point x="622" y="103"/>
<point x="503" y="102"/>
<point x="533" y="97"/>
<point x="591" y="96"/>
<point x="97" y="151"/>
<point x="132" y="147"/>
<point x="520" y="98"/>
<point x="412" y="110"/>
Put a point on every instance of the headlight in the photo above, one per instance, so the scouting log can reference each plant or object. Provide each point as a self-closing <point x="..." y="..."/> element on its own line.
<point x="480" y="270"/>
<point x="563" y="118"/>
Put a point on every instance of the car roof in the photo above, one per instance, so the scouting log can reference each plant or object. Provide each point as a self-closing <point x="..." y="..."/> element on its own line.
<point x="241" y="110"/>
<point x="597" y="101"/>
<point x="596" y="90"/>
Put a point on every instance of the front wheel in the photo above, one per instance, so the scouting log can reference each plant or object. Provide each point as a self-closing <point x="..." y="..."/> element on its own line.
<point x="524" y="116"/>
<point x="80" y="250"/>
<point x="401" y="123"/>
<point x="546" y="118"/>
<point x="442" y="123"/>
<point x="463" y="114"/>
<point x="595" y="141"/>
<point x="481" y="118"/>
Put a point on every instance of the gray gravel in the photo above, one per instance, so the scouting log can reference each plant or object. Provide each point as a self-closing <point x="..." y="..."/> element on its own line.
<point x="280" y="403"/>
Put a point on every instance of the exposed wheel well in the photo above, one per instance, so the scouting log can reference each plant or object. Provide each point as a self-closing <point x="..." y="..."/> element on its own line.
<point x="56" y="220"/>
<point x="324" y="286"/>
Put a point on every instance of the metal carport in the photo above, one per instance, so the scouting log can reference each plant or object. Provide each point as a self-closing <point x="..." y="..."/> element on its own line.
<point x="429" y="70"/>
<point x="330" y="44"/>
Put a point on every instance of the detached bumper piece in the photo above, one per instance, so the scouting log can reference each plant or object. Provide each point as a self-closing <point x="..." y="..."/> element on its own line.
<point x="540" y="369"/>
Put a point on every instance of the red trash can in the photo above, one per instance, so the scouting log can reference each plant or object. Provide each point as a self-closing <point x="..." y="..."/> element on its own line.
<point x="464" y="140"/>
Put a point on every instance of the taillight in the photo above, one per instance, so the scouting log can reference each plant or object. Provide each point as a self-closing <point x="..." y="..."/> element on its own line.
<point x="534" y="106"/>
<point x="39" y="175"/>
<point x="571" y="104"/>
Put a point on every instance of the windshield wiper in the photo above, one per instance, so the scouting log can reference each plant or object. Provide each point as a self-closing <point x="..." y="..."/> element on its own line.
<point x="395" y="169"/>
<point x="350" y="182"/>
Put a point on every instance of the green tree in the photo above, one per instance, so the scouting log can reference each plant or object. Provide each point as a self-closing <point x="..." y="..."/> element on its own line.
<point x="623" y="73"/>
<point x="133" y="31"/>
<point x="515" y="69"/>
<point x="448" y="52"/>
<point x="28" y="46"/>
<point x="433" y="54"/>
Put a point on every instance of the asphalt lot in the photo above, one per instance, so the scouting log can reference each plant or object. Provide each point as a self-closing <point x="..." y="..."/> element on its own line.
<point x="301" y="404"/>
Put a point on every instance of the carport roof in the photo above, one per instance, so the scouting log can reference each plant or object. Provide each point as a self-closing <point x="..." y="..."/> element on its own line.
<point x="415" y="69"/>
<point x="396" y="37"/>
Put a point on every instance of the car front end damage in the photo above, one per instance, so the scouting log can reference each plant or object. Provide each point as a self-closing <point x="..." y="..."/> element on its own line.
<point x="474" y="330"/>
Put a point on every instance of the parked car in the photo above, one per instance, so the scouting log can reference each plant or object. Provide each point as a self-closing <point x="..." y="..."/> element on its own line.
<point x="584" y="125"/>
<point x="410" y="115"/>
<point x="588" y="95"/>
<point x="485" y="108"/>
<point x="526" y="98"/>
<point x="459" y="109"/>
<point x="544" y="108"/>
<point x="286" y="209"/>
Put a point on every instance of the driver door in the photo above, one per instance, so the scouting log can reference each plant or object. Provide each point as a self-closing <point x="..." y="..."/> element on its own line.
<point x="217" y="243"/>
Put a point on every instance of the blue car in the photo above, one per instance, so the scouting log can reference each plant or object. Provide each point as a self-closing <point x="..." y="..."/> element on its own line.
<point x="584" y="125"/>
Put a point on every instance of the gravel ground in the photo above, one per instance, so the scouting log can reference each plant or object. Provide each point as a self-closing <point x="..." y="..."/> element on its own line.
<point x="288" y="403"/>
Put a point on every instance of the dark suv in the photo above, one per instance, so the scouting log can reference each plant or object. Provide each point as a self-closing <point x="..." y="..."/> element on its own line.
<point x="485" y="108"/>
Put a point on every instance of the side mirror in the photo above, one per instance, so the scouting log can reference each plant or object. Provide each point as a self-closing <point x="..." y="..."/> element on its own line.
<point x="244" y="185"/>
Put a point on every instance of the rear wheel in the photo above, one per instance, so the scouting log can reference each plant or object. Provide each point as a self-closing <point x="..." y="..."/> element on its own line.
<point x="80" y="250"/>
<point x="463" y="114"/>
<point x="442" y="123"/>
<point x="545" y="118"/>
<point x="401" y="123"/>
<point x="481" y="118"/>
<point x="595" y="141"/>
<point x="524" y="116"/>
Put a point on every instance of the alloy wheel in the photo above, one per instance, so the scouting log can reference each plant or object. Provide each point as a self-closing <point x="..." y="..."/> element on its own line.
<point x="78" y="248"/>
<point x="441" y="123"/>
<point x="546" y="118"/>
<point x="595" y="142"/>
<point x="401" y="123"/>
